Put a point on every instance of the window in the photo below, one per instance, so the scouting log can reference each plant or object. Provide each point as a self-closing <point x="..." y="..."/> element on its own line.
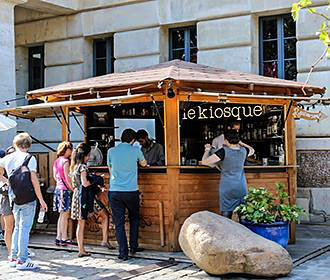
<point x="36" y="67"/>
<point x="36" y="70"/>
<point x="278" y="47"/>
<point x="103" y="57"/>
<point x="183" y="44"/>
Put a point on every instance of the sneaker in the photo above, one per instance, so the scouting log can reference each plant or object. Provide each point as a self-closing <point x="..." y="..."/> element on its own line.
<point x="31" y="254"/>
<point x="12" y="262"/>
<point x="27" y="265"/>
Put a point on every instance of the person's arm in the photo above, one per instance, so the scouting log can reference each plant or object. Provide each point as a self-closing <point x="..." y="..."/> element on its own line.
<point x="143" y="163"/>
<point x="54" y="173"/>
<point x="3" y="179"/>
<point x="36" y="186"/>
<point x="66" y="169"/>
<point x="109" y="162"/>
<point x="251" y="150"/>
<point x="207" y="159"/>
<point x="84" y="180"/>
<point x="32" y="165"/>
<point x="141" y="159"/>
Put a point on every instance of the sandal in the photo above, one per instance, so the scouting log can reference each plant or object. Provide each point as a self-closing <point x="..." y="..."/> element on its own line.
<point x="57" y="242"/>
<point x="84" y="254"/>
<point x="67" y="242"/>
<point x="107" y="245"/>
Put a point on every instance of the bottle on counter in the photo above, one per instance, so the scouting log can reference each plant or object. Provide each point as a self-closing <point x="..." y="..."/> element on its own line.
<point x="206" y="132"/>
<point x="248" y="132"/>
<point x="281" y="154"/>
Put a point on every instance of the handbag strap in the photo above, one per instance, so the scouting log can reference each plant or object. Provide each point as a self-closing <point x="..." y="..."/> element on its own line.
<point x="62" y="179"/>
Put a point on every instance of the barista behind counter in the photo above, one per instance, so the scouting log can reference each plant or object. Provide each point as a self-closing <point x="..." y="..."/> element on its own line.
<point x="152" y="151"/>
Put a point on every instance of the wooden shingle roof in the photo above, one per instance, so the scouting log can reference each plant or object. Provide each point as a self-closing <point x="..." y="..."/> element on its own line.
<point x="185" y="74"/>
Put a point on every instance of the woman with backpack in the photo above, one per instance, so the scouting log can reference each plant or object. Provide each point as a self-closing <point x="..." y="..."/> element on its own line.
<point x="79" y="172"/>
<point x="5" y="208"/>
<point x="62" y="198"/>
<point x="21" y="168"/>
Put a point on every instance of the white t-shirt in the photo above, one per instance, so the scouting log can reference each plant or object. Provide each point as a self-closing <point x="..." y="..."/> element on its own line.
<point x="218" y="142"/>
<point x="15" y="160"/>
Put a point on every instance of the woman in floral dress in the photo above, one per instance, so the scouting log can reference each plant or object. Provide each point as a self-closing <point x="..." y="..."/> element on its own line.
<point x="79" y="171"/>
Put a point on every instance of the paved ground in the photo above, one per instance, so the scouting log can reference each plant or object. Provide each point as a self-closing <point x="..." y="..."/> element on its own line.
<point x="56" y="264"/>
<point x="65" y="265"/>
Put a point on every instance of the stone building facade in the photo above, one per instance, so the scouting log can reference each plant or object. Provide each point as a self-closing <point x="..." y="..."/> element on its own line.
<point x="225" y="34"/>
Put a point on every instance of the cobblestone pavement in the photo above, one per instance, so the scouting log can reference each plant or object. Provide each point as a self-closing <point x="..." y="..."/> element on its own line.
<point x="65" y="265"/>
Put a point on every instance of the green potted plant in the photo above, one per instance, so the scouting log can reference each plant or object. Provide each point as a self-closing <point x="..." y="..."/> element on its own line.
<point x="269" y="215"/>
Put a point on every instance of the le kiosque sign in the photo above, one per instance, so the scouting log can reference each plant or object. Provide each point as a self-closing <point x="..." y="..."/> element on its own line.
<point x="238" y="112"/>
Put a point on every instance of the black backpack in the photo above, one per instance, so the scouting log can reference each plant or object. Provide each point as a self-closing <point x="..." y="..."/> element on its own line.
<point x="21" y="183"/>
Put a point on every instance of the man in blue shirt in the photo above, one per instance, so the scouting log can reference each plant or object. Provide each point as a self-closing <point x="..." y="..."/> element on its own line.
<point x="122" y="161"/>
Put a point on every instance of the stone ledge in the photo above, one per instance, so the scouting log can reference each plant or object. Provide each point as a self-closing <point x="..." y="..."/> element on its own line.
<point x="311" y="50"/>
<point x="241" y="58"/>
<point x="309" y="24"/>
<point x="72" y="52"/>
<point x="121" y="18"/>
<point x="174" y="11"/>
<point x="221" y="33"/>
<point x="125" y="40"/>
<point x="131" y="63"/>
<point x="58" y="28"/>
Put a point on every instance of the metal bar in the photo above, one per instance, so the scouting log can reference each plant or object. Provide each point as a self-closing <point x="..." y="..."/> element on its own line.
<point x="311" y="256"/>
<point x="288" y="112"/>
<point x="57" y="116"/>
<point x="79" y="124"/>
<point x="113" y="100"/>
<point x="234" y="95"/>
<point x="39" y="142"/>
<point x="124" y="275"/>
<point x="157" y="110"/>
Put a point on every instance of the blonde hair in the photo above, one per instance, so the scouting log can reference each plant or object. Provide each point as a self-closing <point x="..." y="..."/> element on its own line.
<point x="22" y="141"/>
<point x="63" y="147"/>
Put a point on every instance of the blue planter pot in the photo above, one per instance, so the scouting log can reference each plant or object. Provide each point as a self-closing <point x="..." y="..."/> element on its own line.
<point x="277" y="232"/>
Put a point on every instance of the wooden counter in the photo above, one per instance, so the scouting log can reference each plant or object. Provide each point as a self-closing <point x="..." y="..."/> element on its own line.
<point x="162" y="214"/>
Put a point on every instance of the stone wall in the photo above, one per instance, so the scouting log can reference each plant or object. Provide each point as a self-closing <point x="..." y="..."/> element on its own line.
<point x="227" y="38"/>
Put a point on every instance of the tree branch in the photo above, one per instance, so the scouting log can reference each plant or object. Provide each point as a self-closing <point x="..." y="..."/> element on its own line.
<point x="312" y="68"/>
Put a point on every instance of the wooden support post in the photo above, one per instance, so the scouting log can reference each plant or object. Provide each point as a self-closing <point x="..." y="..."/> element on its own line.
<point x="66" y="124"/>
<point x="291" y="159"/>
<point x="161" y="223"/>
<point x="172" y="142"/>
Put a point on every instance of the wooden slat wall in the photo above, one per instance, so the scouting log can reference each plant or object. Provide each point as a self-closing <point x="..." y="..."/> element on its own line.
<point x="154" y="188"/>
<point x="200" y="192"/>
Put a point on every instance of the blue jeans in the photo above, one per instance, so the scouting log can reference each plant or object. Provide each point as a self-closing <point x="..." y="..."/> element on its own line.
<point x="119" y="202"/>
<point x="23" y="215"/>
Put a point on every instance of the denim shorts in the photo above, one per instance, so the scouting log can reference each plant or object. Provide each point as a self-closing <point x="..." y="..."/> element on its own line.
<point x="5" y="208"/>
<point x="62" y="201"/>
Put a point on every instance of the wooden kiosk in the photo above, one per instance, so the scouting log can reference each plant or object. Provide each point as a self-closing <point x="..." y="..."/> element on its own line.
<point x="190" y="104"/>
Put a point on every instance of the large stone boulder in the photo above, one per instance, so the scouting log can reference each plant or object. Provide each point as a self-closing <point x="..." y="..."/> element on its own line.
<point x="220" y="246"/>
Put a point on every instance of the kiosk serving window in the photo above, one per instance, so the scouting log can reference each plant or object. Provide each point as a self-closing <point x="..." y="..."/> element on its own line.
<point x="105" y="124"/>
<point x="261" y="126"/>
